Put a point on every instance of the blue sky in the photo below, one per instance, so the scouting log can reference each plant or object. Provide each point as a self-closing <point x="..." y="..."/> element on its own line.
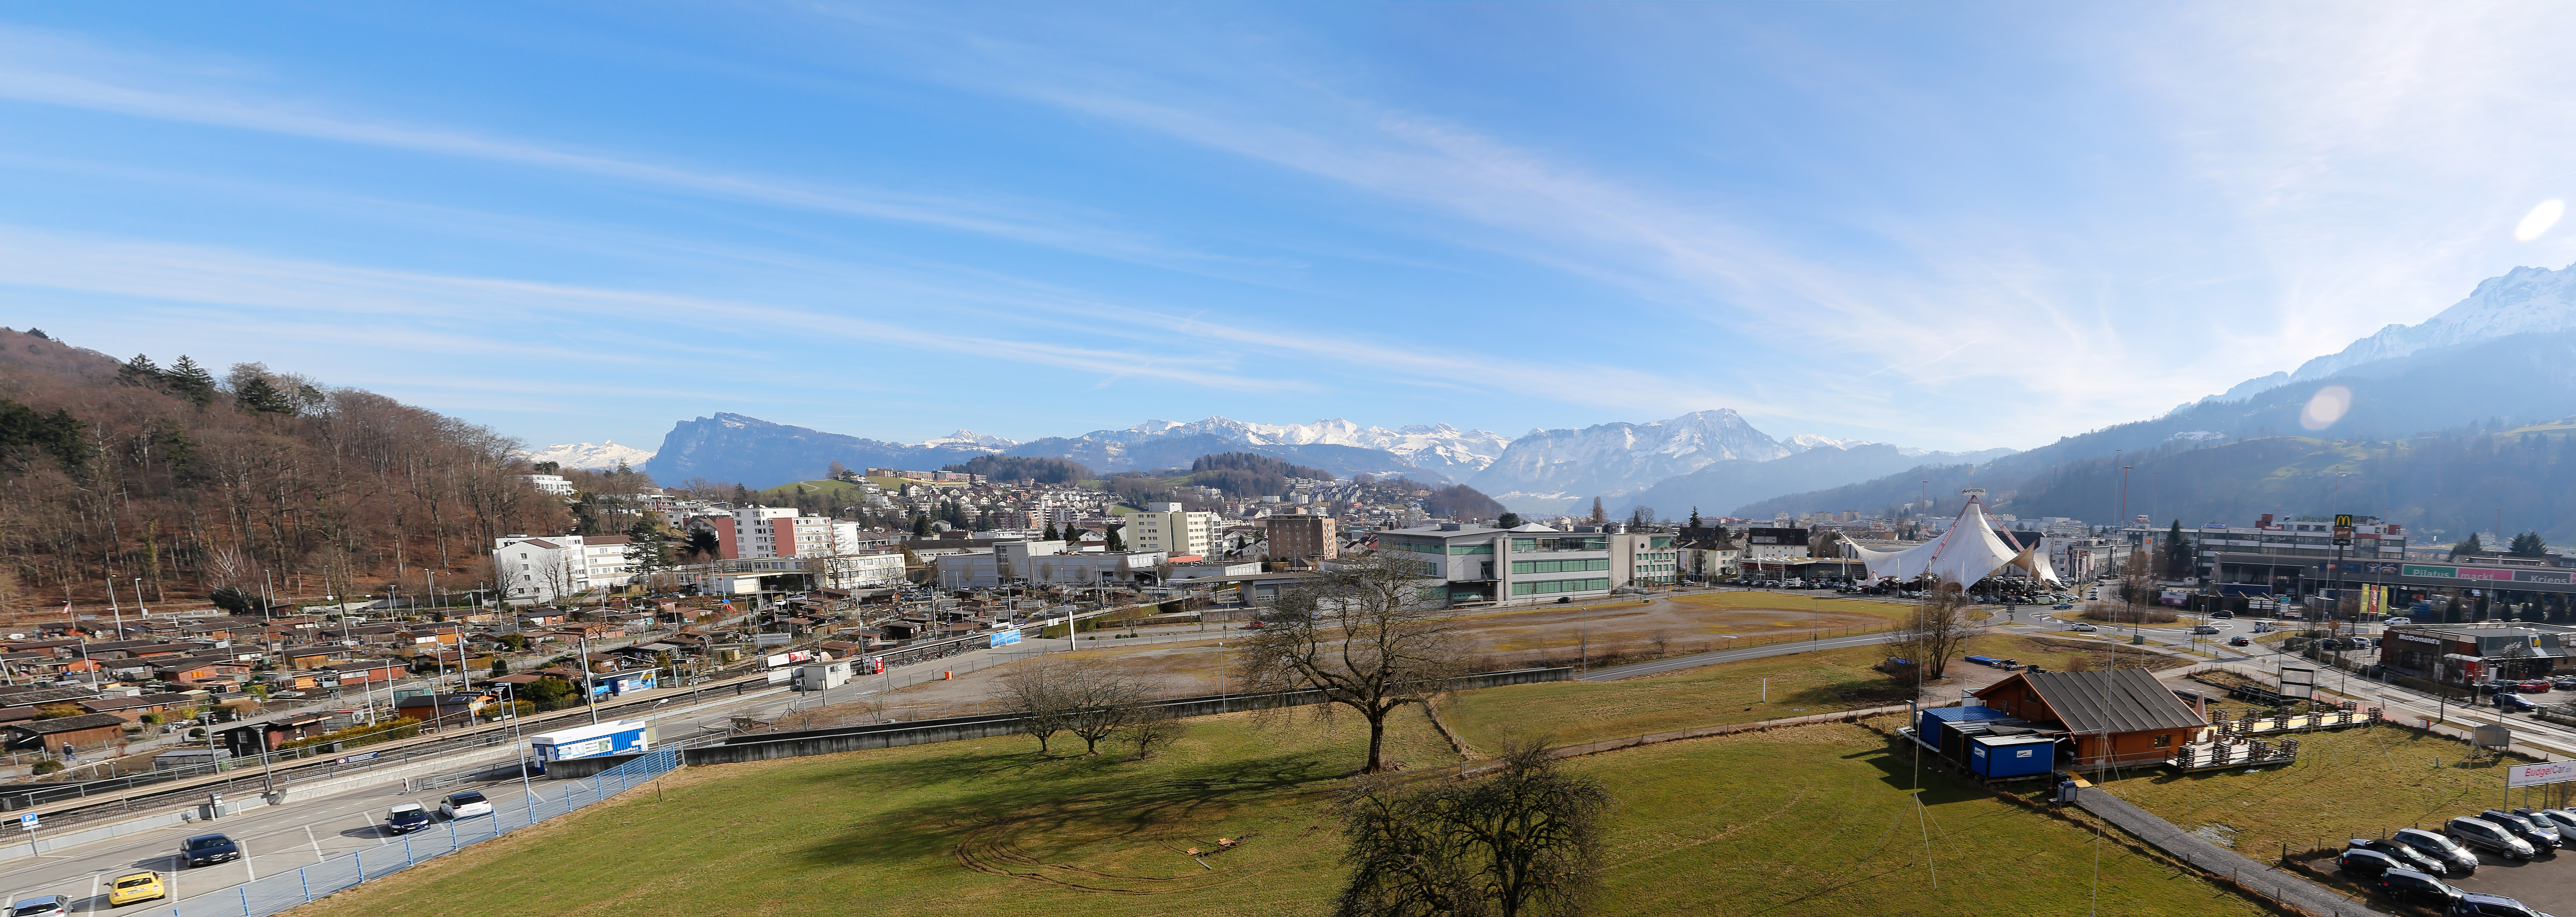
<point x="1951" y="226"/>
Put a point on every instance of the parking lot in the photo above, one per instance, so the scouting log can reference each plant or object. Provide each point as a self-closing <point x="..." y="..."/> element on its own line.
<point x="2543" y="882"/>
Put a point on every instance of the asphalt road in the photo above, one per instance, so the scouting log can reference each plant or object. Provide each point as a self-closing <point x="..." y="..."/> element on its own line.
<point x="306" y="831"/>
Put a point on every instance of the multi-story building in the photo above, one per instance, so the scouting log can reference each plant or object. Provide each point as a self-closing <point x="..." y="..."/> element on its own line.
<point x="1168" y="529"/>
<point x="550" y="483"/>
<point x="2290" y="557"/>
<point x="557" y="566"/>
<point x="1303" y="537"/>
<point x="1774" y="544"/>
<point x="1466" y="563"/>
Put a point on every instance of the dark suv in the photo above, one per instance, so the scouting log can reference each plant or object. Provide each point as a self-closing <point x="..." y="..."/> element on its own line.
<point x="2406" y="856"/>
<point x="2406" y="886"/>
<point x="2367" y="865"/>
<point x="2476" y="905"/>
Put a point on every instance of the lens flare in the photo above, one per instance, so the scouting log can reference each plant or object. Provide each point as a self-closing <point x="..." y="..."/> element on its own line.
<point x="2539" y="220"/>
<point x="2326" y="407"/>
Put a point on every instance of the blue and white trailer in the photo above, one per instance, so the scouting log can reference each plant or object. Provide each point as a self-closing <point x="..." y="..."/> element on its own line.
<point x="617" y="737"/>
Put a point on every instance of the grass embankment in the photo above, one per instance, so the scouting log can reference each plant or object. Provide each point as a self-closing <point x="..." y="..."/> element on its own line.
<point x="1872" y="606"/>
<point x="2350" y="783"/>
<point x="1803" y="684"/>
<point x="1814" y="820"/>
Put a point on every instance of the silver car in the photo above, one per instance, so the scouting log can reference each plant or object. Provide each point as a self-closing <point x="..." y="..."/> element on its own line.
<point x="2487" y="835"/>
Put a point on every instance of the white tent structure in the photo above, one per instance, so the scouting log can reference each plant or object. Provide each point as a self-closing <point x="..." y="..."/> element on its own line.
<point x="1966" y="553"/>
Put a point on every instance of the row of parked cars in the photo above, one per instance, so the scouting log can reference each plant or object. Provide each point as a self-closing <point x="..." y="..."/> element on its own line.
<point x="2410" y="866"/>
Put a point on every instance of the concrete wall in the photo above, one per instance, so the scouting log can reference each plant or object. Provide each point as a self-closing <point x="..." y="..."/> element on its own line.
<point x="893" y="735"/>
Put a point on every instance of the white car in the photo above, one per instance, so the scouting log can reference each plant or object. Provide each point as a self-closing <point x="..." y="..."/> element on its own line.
<point x="464" y="805"/>
<point x="2393" y="622"/>
<point x="2082" y="627"/>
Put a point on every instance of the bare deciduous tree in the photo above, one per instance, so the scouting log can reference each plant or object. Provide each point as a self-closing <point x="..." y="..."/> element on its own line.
<point x="1661" y="640"/>
<point x="1937" y="630"/>
<point x="1151" y="728"/>
<point x="1526" y="840"/>
<point x="1098" y="703"/>
<point x="1362" y="635"/>
<point x="1037" y="692"/>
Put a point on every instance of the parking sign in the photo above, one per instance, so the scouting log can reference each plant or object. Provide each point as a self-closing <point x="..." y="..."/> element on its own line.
<point x="29" y="822"/>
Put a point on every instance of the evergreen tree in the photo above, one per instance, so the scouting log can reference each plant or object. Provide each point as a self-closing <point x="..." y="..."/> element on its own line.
<point x="2529" y="544"/>
<point x="1051" y="534"/>
<point x="649" y="544"/>
<point x="140" y="371"/>
<point x="1510" y="521"/>
<point x="1116" y="544"/>
<point x="1694" y="520"/>
<point x="2466" y="548"/>
<point x="920" y="525"/>
<point x="2177" y="553"/>
<point x="258" y="397"/>
<point x="1598" y="515"/>
<point x="191" y="381"/>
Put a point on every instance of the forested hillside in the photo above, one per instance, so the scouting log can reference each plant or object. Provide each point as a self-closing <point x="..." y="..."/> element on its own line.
<point x="118" y="471"/>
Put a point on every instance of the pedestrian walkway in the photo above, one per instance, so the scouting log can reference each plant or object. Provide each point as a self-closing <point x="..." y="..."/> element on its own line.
<point x="2278" y="885"/>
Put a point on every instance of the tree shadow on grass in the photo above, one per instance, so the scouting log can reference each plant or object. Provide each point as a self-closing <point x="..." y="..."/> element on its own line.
<point x="1065" y="802"/>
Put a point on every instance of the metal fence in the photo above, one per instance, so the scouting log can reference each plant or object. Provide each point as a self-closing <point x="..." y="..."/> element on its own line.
<point x="279" y="892"/>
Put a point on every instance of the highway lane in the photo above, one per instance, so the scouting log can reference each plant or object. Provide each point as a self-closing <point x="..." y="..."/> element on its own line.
<point x="307" y="831"/>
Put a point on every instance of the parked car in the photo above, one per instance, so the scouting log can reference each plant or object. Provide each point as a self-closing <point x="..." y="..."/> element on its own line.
<point x="2489" y="836"/>
<point x="2439" y="846"/>
<point x="2533" y="686"/>
<point x="2473" y="904"/>
<point x="2087" y="628"/>
<point x="464" y="805"/>
<point x="2203" y="629"/>
<point x="141" y="886"/>
<point x="2515" y="703"/>
<point x="406" y="818"/>
<point x="2408" y="886"/>
<point x="2406" y="856"/>
<point x="2541" y="836"/>
<point x="2495" y="686"/>
<point x="2564" y="682"/>
<point x="2561" y="819"/>
<point x="2366" y="865"/>
<point x="2240" y="641"/>
<point x="2064" y="606"/>
<point x="209" y="849"/>
<point x="41" y="906"/>
<point x="2394" y="622"/>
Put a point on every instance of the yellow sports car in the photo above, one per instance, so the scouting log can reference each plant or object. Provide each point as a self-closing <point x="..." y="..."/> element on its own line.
<point x="141" y="886"/>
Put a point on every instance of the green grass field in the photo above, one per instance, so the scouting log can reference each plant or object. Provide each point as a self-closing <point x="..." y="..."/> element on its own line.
<point x="2350" y="783"/>
<point x="1814" y="820"/>
<point x="1733" y="692"/>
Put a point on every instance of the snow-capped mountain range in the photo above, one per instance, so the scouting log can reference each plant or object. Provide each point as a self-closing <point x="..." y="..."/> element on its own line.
<point x="1552" y="470"/>
<point x="1541" y="471"/>
<point x="603" y="457"/>
<point x="2524" y="300"/>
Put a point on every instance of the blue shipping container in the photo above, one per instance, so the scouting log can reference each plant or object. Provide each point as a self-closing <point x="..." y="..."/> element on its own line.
<point x="1929" y="726"/>
<point x="1993" y="757"/>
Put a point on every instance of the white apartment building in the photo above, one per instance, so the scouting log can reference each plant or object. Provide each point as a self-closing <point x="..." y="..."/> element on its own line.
<point x="558" y="566"/>
<point x="1167" y="529"/>
<point x="550" y="483"/>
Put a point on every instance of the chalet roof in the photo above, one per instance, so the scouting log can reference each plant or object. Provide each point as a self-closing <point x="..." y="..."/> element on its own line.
<point x="2113" y="700"/>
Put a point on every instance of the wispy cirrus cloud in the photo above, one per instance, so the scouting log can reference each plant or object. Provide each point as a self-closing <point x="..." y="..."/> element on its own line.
<point x="51" y="69"/>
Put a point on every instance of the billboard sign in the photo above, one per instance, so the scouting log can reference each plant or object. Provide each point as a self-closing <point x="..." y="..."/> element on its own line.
<point x="2297" y="681"/>
<point x="2343" y="529"/>
<point x="1006" y="637"/>
<point x="2491" y="736"/>
<point x="2539" y="774"/>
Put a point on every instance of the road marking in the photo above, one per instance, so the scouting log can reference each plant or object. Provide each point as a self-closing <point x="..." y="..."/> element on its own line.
<point x="93" y="886"/>
<point x="317" y="844"/>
